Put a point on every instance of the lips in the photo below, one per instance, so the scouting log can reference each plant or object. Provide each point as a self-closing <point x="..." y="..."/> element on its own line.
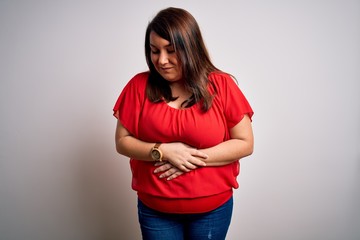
<point x="166" y="69"/>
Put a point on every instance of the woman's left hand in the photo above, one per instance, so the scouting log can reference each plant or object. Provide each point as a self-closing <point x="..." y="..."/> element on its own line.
<point x="168" y="170"/>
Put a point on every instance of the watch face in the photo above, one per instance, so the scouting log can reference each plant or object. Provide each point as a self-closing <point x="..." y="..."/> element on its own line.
<point x="155" y="154"/>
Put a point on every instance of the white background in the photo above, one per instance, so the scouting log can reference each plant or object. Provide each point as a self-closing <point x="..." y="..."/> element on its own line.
<point x="64" y="63"/>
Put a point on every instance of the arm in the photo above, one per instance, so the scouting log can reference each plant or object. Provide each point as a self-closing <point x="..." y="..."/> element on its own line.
<point x="239" y="146"/>
<point x="178" y="154"/>
<point x="131" y="147"/>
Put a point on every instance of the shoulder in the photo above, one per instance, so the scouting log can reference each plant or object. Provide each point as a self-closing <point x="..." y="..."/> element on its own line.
<point x="139" y="79"/>
<point x="222" y="80"/>
<point x="136" y="85"/>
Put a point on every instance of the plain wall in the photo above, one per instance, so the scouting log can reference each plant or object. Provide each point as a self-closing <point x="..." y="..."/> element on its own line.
<point x="64" y="63"/>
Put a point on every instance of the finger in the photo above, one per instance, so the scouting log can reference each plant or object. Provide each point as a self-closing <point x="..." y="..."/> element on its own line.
<point x="200" y="154"/>
<point x="198" y="162"/>
<point x="163" y="168"/>
<point x="168" y="173"/>
<point x="190" y="166"/>
<point x="184" y="168"/>
<point x="175" y="175"/>
<point x="159" y="163"/>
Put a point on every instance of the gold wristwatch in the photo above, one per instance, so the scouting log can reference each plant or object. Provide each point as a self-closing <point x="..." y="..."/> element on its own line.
<point x="156" y="154"/>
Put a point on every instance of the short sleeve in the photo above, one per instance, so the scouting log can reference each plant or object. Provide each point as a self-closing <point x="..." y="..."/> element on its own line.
<point x="234" y="102"/>
<point x="128" y="106"/>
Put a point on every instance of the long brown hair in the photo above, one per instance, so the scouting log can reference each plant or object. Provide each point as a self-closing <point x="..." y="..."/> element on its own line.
<point x="180" y="28"/>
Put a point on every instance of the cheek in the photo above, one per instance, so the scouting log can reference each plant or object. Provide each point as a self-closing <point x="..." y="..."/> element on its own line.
<point x="153" y="59"/>
<point x="177" y="62"/>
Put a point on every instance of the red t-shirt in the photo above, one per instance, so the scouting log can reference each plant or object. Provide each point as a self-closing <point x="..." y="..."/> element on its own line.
<point x="202" y="189"/>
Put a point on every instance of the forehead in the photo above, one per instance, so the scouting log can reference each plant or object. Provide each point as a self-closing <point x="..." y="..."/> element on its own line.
<point x="157" y="41"/>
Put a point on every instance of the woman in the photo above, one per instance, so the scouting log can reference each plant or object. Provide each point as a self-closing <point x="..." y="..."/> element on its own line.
<point x="185" y="125"/>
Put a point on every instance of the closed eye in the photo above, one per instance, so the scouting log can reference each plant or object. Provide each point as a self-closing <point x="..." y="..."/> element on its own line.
<point x="171" y="50"/>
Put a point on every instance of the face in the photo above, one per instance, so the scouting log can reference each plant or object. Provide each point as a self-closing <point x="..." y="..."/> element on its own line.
<point x="164" y="58"/>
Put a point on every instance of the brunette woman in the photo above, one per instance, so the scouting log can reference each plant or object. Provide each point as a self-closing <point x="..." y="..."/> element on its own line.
<point x="185" y="125"/>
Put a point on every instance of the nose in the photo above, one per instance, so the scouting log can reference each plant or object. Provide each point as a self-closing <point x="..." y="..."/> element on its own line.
<point x="163" y="58"/>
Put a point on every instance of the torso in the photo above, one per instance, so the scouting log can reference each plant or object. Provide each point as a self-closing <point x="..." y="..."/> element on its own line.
<point x="169" y="122"/>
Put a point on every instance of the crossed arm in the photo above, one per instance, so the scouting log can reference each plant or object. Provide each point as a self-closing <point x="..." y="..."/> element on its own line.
<point x="180" y="158"/>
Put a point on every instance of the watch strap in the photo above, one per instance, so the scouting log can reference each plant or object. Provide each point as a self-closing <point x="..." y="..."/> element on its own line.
<point x="157" y="145"/>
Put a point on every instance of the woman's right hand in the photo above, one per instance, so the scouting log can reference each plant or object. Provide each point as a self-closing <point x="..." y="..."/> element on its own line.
<point x="182" y="156"/>
<point x="167" y="170"/>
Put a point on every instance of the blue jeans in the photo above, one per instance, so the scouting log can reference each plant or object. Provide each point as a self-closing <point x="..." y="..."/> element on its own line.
<point x="167" y="226"/>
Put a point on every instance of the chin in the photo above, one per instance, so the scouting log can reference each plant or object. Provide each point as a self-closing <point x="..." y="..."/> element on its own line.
<point x="170" y="78"/>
